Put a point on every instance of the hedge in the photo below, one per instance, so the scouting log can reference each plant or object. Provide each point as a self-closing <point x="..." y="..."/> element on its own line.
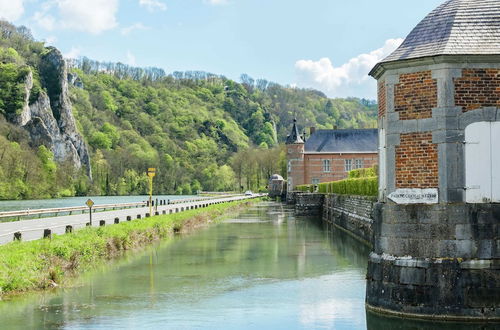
<point x="363" y="173"/>
<point x="367" y="186"/>
<point x="305" y="188"/>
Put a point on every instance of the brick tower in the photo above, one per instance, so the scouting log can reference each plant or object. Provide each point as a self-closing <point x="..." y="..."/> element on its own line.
<point x="295" y="158"/>
<point x="436" y="230"/>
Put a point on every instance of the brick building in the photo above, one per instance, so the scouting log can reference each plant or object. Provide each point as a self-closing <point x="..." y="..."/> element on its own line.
<point x="437" y="246"/>
<point x="328" y="155"/>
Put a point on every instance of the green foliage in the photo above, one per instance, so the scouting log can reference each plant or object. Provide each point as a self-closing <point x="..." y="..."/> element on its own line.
<point x="364" y="186"/>
<point x="363" y="173"/>
<point x="12" y="88"/>
<point x="100" y="140"/>
<point x="305" y="188"/>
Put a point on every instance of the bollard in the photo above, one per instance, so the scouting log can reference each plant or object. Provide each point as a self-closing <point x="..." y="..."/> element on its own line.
<point x="117" y="220"/>
<point x="129" y="218"/>
<point x="69" y="229"/>
<point x="47" y="233"/>
<point x="138" y="216"/>
<point x="102" y="223"/>
<point x="17" y="236"/>
<point x="148" y="215"/>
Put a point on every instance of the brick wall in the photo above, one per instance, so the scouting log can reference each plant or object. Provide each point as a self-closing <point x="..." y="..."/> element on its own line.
<point x="314" y="165"/>
<point x="477" y="88"/>
<point x="415" y="95"/>
<point x="381" y="99"/>
<point x="416" y="161"/>
<point x="295" y="156"/>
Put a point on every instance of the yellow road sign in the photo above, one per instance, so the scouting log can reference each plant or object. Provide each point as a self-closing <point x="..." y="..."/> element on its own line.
<point x="151" y="172"/>
<point x="90" y="203"/>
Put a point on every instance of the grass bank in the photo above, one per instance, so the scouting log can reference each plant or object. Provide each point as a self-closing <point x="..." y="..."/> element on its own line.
<point x="41" y="264"/>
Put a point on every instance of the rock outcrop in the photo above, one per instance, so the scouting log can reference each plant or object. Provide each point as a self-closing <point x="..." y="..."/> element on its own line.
<point x="49" y="119"/>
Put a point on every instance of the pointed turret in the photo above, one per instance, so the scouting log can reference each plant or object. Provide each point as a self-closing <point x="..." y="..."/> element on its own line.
<point x="294" y="137"/>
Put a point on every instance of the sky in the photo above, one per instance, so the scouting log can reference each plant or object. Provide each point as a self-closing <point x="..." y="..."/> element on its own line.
<point x="329" y="45"/>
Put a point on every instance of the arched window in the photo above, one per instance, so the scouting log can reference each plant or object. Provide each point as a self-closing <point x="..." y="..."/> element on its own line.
<point x="482" y="162"/>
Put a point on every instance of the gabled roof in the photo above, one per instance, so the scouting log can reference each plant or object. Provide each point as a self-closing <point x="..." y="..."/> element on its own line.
<point x="343" y="140"/>
<point x="457" y="27"/>
<point x="294" y="136"/>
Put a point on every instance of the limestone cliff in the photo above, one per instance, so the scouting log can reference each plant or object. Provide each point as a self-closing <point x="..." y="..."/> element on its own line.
<point x="49" y="118"/>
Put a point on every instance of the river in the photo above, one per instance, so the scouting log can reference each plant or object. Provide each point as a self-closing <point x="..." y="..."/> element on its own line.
<point x="261" y="269"/>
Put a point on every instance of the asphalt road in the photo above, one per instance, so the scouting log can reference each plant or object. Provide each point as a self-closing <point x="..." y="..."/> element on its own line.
<point x="34" y="229"/>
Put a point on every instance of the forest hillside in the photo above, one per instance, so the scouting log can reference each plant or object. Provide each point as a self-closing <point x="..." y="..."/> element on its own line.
<point x="82" y="127"/>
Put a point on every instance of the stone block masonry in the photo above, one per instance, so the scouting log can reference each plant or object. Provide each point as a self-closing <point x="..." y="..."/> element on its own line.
<point x="477" y="88"/>
<point x="309" y="204"/>
<point x="436" y="260"/>
<point x="351" y="213"/>
<point x="416" y="161"/>
<point x="415" y="95"/>
<point x="381" y="99"/>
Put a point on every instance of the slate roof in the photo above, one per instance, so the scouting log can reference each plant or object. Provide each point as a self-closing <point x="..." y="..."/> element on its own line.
<point x="343" y="140"/>
<point x="294" y="136"/>
<point x="457" y="27"/>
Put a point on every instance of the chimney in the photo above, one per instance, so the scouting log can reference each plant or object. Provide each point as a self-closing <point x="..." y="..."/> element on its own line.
<point x="312" y="130"/>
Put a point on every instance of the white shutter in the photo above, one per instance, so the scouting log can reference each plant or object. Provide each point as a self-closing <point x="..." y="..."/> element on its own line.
<point x="382" y="175"/>
<point x="495" y="161"/>
<point x="478" y="162"/>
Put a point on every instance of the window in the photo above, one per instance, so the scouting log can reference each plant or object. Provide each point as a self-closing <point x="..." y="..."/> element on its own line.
<point x="359" y="163"/>
<point x="326" y="165"/>
<point x="289" y="166"/>
<point x="348" y="165"/>
<point x="315" y="181"/>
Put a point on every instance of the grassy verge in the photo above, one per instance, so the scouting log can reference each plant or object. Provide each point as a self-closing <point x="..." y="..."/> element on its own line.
<point x="42" y="264"/>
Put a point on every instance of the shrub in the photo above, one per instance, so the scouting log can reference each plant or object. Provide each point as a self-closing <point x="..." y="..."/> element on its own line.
<point x="363" y="173"/>
<point x="305" y="188"/>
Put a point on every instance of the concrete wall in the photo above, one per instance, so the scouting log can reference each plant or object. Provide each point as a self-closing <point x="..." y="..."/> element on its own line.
<point x="352" y="213"/>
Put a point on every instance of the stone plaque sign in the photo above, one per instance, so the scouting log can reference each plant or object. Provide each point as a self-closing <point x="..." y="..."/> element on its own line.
<point x="415" y="196"/>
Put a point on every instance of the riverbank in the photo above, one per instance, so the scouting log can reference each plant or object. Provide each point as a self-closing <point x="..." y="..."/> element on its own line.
<point x="47" y="263"/>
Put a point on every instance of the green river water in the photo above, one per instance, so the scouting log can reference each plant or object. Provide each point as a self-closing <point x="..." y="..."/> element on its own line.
<point x="261" y="269"/>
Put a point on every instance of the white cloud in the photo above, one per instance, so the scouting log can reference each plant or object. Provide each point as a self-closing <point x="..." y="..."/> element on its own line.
<point x="153" y="5"/>
<point x="130" y="59"/>
<point x="74" y="52"/>
<point x="216" y="2"/>
<point x="45" y="20"/>
<point x="11" y="10"/>
<point x="94" y="16"/>
<point x="349" y="79"/>
<point x="129" y="29"/>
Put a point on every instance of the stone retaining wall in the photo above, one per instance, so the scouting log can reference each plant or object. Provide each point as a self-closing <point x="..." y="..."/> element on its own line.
<point x="309" y="204"/>
<point x="352" y="213"/>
